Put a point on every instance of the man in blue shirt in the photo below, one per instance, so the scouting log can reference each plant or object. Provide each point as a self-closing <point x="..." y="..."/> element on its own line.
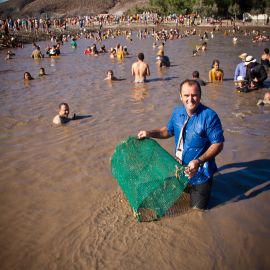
<point x="241" y="68"/>
<point x="198" y="138"/>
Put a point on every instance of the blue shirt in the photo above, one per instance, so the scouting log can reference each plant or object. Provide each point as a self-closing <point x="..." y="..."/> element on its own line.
<point x="240" y="70"/>
<point x="203" y="129"/>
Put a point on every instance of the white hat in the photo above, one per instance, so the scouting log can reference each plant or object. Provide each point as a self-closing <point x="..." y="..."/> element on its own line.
<point x="249" y="59"/>
<point x="243" y="56"/>
<point x="240" y="78"/>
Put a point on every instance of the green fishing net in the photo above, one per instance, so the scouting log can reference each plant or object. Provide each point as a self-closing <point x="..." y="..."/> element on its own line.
<point x="151" y="179"/>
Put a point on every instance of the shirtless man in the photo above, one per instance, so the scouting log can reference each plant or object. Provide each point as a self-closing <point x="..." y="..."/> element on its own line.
<point x="62" y="116"/>
<point x="36" y="54"/>
<point x="140" y="69"/>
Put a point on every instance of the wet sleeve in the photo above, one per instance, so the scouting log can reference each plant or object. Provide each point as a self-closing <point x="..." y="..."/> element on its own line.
<point x="237" y="72"/>
<point x="214" y="130"/>
<point x="170" y="125"/>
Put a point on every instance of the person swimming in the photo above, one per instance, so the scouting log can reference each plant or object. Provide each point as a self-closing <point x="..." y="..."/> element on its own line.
<point x="62" y="116"/>
<point x="27" y="76"/>
<point x="42" y="72"/>
<point x="265" y="100"/>
<point x="110" y="76"/>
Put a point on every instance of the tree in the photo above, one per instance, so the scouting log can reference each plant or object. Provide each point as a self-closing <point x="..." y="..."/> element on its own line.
<point x="215" y="9"/>
<point x="235" y="10"/>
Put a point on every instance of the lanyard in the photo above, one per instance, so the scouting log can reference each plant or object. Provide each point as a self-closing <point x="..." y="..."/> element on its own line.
<point x="180" y="145"/>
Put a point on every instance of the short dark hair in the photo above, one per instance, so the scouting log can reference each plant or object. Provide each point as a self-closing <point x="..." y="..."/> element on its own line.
<point x="141" y="56"/>
<point x="191" y="83"/>
<point x="266" y="50"/>
<point x="195" y="74"/>
<point x="62" y="104"/>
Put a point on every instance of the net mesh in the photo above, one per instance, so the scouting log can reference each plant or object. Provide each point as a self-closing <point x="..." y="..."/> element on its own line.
<point x="151" y="179"/>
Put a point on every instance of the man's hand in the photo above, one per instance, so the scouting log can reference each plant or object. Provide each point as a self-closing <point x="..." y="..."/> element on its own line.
<point x="192" y="168"/>
<point x="142" y="134"/>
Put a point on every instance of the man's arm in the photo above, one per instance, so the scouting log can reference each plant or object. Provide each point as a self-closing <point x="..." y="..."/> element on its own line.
<point x="132" y="70"/>
<point x="237" y="72"/>
<point x="211" y="152"/>
<point x="162" y="133"/>
<point x="147" y="70"/>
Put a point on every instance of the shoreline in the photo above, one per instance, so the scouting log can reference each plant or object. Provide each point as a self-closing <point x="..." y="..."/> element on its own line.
<point x="27" y="37"/>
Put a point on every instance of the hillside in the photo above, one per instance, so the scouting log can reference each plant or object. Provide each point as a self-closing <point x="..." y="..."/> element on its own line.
<point x="63" y="7"/>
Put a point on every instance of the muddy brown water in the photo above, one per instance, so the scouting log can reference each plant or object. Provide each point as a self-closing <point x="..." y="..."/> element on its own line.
<point x="60" y="206"/>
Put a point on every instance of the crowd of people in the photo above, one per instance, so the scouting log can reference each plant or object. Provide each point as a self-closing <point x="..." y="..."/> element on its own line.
<point x="249" y="74"/>
<point x="197" y="153"/>
<point x="45" y="23"/>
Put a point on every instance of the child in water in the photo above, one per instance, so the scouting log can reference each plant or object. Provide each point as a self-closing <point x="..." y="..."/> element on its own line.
<point x="41" y="72"/>
<point x="242" y="85"/>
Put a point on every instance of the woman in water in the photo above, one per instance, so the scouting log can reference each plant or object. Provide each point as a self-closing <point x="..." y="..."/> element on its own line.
<point x="216" y="74"/>
<point x="27" y="76"/>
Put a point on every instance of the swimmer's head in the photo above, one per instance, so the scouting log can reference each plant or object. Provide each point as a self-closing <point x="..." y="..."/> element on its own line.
<point x="141" y="56"/>
<point x="267" y="96"/>
<point x="110" y="72"/>
<point x="42" y="71"/>
<point x="195" y="74"/>
<point x="110" y="76"/>
<point x="63" y="109"/>
<point x="27" y="76"/>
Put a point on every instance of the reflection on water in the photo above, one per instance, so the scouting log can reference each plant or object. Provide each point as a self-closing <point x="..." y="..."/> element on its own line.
<point x="52" y="179"/>
<point x="140" y="91"/>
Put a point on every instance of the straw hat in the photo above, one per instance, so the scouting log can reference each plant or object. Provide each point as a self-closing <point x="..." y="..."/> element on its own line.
<point x="243" y="56"/>
<point x="249" y="59"/>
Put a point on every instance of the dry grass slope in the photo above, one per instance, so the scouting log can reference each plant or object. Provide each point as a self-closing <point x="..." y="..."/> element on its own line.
<point x="60" y="7"/>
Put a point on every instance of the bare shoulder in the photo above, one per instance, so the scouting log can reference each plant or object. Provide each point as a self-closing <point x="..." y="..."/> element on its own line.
<point x="57" y="120"/>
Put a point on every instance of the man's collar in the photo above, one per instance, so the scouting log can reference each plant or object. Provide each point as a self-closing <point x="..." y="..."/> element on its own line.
<point x="199" y="109"/>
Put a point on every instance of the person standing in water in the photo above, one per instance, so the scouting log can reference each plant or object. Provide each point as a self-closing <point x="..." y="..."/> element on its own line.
<point x="198" y="139"/>
<point x="140" y="69"/>
<point x="216" y="74"/>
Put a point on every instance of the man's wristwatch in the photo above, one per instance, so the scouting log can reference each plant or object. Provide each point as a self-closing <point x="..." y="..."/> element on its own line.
<point x="200" y="162"/>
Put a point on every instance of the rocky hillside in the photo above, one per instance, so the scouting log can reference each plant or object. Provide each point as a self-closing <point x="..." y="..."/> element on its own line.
<point x="64" y="7"/>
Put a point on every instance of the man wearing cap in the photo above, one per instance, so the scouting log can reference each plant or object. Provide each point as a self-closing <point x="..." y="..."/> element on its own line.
<point x="241" y="68"/>
<point x="256" y="73"/>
